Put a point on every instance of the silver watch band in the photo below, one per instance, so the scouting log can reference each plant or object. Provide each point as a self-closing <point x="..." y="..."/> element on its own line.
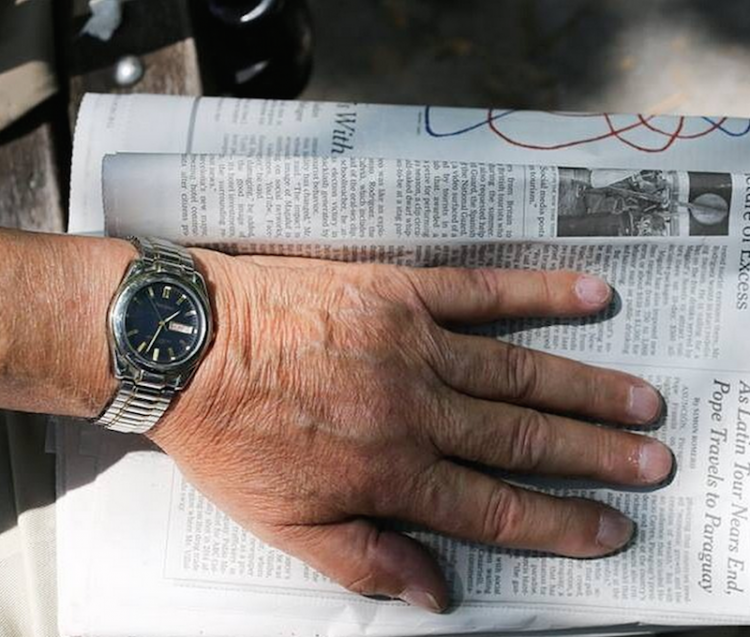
<point x="164" y="256"/>
<point x="138" y="405"/>
<point x="136" y="408"/>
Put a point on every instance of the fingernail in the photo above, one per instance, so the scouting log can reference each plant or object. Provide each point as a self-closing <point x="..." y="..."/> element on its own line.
<point x="593" y="291"/>
<point x="654" y="462"/>
<point x="615" y="530"/>
<point x="645" y="404"/>
<point x="421" y="599"/>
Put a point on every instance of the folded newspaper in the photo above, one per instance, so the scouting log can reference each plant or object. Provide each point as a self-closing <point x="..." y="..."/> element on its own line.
<point x="657" y="205"/>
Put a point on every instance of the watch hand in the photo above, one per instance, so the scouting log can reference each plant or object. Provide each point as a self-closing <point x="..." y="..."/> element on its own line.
<point x="169" y="318"/>
<point x="153" y="340"/>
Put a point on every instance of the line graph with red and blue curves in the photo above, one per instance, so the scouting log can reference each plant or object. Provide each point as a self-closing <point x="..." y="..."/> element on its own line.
<point x="643" y="133"/>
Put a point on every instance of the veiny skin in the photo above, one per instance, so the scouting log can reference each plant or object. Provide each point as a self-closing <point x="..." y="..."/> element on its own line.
<point x="333" y="396"/>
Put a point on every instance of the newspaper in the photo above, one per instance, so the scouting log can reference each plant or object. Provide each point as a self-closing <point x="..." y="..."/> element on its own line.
<point x="243" y="202"/>
<point x="141" y="552"/>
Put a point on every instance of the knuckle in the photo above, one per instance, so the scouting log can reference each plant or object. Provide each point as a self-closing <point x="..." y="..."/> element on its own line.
<point x="441" y="423"/>
<point x="403" y="286"/>
<point x="421" y="489"/>
<point x="363" y="584"/>
<point x="531" y="441"/>
<point x="595" y="386"/>
<point x="544" y="289"/>
<point x="486" y="282"/>
<point x="364" y="578"/>
<point x="606" y="453"/>
<point x="503" y="517"/>
<point x="436" y="349"/>
<point x="521" y="373"/>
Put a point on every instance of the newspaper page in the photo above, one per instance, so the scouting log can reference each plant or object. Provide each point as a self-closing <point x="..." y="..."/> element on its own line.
<point x="178" y="567"/>
<point x="243" y="202"/>
<point x="684" y="302"/>
<point x="196" y="125"/>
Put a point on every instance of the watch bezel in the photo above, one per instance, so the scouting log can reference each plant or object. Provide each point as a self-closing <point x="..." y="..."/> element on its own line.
<point x="132" y="285"/>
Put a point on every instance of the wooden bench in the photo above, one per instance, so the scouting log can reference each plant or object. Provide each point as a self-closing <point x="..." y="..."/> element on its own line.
<point x="35" y="151"/>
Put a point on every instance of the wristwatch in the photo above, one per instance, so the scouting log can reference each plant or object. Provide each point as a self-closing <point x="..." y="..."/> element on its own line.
<point x="160" y="325"/>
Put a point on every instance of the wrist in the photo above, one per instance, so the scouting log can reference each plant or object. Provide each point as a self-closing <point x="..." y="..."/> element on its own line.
<point x="54" y="355"/>
<point x="101" y="264"/>
<point x="202" y="397"/>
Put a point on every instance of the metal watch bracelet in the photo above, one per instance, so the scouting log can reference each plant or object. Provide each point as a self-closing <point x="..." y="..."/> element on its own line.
<point x="138" y="405"/>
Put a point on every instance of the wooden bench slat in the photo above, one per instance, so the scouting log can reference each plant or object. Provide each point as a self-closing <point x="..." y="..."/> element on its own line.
<point x="159" y="32"/>
<point x="30" y="194"/>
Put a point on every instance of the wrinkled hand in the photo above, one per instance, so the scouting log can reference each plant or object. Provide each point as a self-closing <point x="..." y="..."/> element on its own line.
<point x="333" y="397"/>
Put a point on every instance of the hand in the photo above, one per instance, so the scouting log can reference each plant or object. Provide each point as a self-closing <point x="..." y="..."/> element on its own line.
<point x="333" y="397"/>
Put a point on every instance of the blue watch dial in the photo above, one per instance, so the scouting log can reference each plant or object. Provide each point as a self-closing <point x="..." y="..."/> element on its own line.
<point x="163" y="324"/>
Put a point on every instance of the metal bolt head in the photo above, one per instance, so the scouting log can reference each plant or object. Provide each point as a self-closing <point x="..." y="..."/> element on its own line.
<point x="128" y="70"/>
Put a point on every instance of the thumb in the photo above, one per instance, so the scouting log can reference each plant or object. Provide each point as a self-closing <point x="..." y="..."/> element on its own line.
<point x="369" y="561"/>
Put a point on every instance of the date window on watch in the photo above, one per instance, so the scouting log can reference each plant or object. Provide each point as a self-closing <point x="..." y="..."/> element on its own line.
<point x="174" y="326"/>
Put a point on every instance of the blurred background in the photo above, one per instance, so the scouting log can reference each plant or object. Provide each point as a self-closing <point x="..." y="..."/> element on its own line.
<point x="682" y="56"/>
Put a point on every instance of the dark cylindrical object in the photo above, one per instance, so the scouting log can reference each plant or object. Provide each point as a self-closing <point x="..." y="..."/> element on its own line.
<point x="256" y="48"/>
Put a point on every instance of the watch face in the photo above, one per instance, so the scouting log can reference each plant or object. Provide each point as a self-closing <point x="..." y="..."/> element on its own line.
<point x="164" y="324"/>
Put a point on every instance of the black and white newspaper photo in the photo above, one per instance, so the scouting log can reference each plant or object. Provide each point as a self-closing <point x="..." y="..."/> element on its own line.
<point x="642" y="203"/>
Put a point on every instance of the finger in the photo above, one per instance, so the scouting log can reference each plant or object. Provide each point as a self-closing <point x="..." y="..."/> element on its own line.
<point x="370" y="561"/>
<point x="490" y="369"/>
<point x="485" y="294"/>
<point x="524" y="440"/>
<point x="268" y="260"/>
<point x="472" y="506"/>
